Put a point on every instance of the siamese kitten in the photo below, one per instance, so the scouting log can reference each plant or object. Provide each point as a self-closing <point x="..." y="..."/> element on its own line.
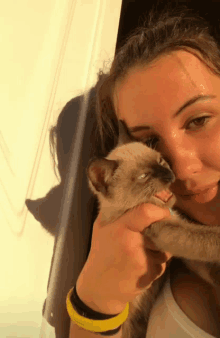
<point x="133" y="174"/>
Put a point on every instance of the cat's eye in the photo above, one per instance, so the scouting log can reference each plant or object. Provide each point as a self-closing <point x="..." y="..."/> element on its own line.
<point x="142" y="176"/>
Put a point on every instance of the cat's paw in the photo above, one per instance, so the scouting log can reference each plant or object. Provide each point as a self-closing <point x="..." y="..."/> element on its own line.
<point x="154" y="230"/>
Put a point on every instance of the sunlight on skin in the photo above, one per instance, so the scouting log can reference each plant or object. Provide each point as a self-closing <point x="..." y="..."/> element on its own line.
<point x="151" y="96"/>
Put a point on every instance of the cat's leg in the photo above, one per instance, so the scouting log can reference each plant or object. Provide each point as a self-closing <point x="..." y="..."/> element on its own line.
<point x="186" y="240"/>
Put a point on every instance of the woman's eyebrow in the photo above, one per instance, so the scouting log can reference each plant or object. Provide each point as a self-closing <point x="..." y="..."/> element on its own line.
<point x="179" y="111"/>
<point x="192" y="101"/>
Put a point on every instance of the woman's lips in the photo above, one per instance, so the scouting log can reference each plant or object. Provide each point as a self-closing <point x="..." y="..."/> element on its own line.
<point x="201" y="191"/>
<point x="204" y="196"/>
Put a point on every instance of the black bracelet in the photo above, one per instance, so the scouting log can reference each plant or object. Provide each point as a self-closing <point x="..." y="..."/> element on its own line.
<point x="83" y="310"/>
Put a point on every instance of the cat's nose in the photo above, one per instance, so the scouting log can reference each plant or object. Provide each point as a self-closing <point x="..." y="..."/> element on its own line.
<point x="162" y="173"/>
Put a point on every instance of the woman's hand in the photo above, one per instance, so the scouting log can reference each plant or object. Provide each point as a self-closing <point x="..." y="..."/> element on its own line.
<point x="119" y="266"/>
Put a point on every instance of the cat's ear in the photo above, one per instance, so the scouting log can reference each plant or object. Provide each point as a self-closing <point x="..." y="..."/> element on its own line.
<point x="124" y="134"/>
<point x="99" y="171"/>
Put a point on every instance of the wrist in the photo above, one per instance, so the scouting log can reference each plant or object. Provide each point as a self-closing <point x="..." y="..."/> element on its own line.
<point x="111" y="307"/>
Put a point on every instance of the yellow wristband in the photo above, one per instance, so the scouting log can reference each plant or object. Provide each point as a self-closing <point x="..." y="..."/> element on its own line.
<point x="95" y="325"/>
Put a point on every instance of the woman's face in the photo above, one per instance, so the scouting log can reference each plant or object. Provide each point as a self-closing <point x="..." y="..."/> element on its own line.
<point x="176" y="101"/>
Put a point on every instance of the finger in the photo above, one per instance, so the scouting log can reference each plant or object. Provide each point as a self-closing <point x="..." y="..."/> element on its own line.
<point x="138" y="218"/>
<point x="150" y="248"/>
<point x="163" y="268"/>
<point x="158" y="256"/>
<point x="155" y="272"/>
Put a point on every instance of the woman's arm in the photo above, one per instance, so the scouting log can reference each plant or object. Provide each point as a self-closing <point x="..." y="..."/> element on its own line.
<point x="108" y="282"/>
<point x="77" y="331"/>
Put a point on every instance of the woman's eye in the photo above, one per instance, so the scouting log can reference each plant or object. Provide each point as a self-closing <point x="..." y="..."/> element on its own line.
<point x="151" y="142"/>
<point x="200" y="121"/>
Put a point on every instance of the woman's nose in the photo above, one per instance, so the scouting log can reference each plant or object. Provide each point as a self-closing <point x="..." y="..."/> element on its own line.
<point x="185" y="163"/>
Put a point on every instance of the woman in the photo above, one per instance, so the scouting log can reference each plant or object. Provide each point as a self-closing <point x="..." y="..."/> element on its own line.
<point x="165" y="84"/>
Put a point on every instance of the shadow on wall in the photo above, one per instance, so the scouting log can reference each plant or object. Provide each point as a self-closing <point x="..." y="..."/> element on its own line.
<point x="46" y="209"/>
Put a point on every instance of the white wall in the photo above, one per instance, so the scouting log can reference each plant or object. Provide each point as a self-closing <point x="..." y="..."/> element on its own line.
<point x="50" y="52"/>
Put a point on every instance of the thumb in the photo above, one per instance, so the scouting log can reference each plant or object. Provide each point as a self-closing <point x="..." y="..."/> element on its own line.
<point x="142" y="216"/>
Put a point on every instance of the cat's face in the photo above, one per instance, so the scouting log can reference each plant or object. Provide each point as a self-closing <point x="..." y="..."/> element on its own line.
<point x="131" y="174"/>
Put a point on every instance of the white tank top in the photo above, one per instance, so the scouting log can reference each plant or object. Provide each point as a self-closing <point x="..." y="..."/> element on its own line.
<point x="167" y="320"/>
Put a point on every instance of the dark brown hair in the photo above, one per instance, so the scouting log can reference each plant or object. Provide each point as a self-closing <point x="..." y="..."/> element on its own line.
<point x="161" y="34"/>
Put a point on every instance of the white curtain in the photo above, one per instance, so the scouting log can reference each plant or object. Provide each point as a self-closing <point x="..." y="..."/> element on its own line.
<point x="50" y="52"/>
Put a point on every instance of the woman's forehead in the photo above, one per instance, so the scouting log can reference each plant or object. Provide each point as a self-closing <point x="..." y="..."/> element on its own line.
<point x="166" y="85"/>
